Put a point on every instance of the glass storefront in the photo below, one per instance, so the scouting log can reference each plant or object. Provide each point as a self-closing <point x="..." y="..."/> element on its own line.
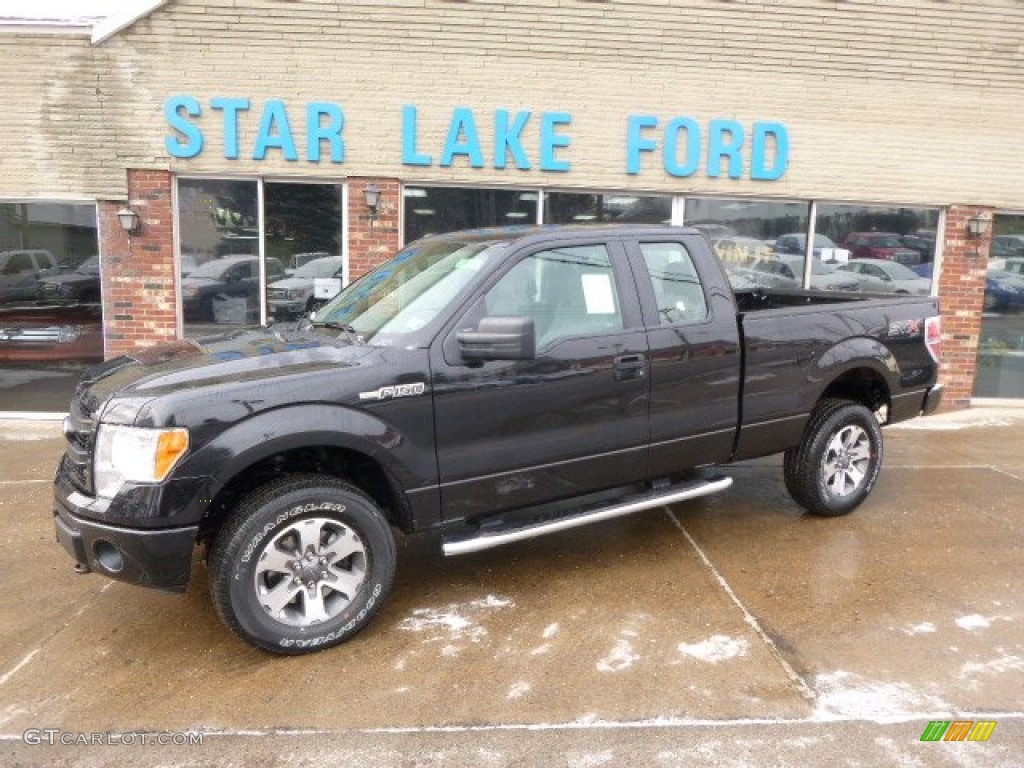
<point x="890" y="249"/>
<point x="1000" y="371"/>
<point x="761" y="242"/>
<point x="224" y="283"/>
<point x="435" y="210"/>
<point x="51" y="322"/>
<point x="577" y="208"/>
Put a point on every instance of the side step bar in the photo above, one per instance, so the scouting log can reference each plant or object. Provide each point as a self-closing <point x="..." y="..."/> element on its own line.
<point x="524" y="529"/>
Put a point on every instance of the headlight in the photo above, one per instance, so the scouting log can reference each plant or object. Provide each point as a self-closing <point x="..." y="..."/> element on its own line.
<point x="136" y="455"/>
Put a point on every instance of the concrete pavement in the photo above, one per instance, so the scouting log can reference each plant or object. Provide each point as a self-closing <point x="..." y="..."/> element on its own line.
<point x="730" y="631"/>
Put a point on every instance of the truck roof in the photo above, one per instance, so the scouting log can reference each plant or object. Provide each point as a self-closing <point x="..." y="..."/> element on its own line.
<point x="556" y="231"/>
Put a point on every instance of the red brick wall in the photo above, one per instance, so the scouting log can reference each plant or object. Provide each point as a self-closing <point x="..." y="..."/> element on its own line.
<point x="961" y="292"/>
<point x="372" y="241"/>
<point x="139" y="292"/>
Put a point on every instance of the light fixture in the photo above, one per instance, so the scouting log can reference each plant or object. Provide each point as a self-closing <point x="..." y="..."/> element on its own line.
<point x="372" y="197"/>
<point x="977" y="226"/>
<point x="129" y="220"/>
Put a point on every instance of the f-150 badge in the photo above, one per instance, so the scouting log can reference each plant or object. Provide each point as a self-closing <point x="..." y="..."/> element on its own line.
<point x="398" y="390"/>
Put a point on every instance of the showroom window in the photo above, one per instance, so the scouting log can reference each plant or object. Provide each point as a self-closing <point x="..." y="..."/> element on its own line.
<point x="434" y="210"/>
<point x="597" y="208"/>
<point x="761" y="242"/>
<point x="1001" y="344"/>
<point x="51" y="322"/>
<point x="228" y="277"/>
<point x="890" y="249"/>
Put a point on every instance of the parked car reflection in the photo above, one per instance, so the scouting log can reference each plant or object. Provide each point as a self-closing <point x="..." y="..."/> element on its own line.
<point x="230" y="285"/>
<point x="51" y="332"/>
<point x="81" y="284"/>
<point x="292" y="296"/>
<point x="880" y="245"/>
<point x="787" y="272"/>
<point x="881" y="276"/>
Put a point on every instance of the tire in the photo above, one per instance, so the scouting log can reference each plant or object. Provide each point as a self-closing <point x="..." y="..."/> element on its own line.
<point x="837" y="462"/>
<point x="302" y="564"/>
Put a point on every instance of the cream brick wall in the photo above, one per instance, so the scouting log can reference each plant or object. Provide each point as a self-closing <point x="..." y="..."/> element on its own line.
<point x="905" y="101"/>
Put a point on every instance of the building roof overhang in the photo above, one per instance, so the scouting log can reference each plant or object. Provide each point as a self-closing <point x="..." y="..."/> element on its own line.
<point x="106" y="28"/>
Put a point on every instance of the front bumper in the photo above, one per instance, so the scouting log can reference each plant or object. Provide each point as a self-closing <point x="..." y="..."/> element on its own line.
<point x="161" y="559"/>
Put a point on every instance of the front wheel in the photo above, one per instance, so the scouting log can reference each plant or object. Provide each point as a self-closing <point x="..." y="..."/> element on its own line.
<point x="837" y="462"/>
<point x="301" y="564"/>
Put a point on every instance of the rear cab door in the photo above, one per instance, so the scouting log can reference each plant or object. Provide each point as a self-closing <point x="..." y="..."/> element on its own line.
<point x="574" y="419"/>
<point x="689" y="311"/>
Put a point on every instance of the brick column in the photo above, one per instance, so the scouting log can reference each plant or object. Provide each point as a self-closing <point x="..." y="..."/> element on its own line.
<point x="961" y="293"/>
<point x="139" y="291"/>
<point x="372" y="241"/>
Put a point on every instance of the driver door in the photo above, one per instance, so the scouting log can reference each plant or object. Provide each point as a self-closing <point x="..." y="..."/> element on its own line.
<point x="572" y="420"/>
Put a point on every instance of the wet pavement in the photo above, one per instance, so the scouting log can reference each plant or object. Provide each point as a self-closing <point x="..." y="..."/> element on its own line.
<point x="731" y="631"/>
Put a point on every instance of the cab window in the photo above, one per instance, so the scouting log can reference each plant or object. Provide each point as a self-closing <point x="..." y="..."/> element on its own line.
<point x="567" y="292"/>
<point x="677" y="287"/>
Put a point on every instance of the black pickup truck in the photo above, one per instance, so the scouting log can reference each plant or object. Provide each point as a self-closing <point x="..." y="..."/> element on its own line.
<point x="492" y="385"/>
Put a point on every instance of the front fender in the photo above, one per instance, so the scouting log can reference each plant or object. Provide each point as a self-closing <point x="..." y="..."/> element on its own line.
<point x="405" y="451"/>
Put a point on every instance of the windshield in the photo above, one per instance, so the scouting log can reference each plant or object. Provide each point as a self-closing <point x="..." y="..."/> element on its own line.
<point x="408" y="292"/>
<point x="318" y="268"/>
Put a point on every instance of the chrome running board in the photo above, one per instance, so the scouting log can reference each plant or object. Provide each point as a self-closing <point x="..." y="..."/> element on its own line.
<point x="522" y="529"/>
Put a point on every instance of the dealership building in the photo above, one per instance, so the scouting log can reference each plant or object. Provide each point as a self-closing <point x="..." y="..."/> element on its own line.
<point x="191" y="166"/>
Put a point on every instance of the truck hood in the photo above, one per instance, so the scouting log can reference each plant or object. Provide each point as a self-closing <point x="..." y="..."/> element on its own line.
<point x="228" y="358"/>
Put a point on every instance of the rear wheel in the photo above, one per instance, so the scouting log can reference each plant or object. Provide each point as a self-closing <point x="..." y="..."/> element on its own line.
<point x="836" y="464"/>
<point x="302" y="564"/>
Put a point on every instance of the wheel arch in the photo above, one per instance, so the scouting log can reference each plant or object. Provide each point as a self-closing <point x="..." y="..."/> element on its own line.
<point x="256" y="451"/>
<point x="859" y="370"/>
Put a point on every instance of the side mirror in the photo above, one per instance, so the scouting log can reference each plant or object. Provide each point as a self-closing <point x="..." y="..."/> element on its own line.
<point x="499" y="338"/>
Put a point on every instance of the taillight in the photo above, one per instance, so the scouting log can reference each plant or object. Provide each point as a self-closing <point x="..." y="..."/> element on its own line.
<point x="933" y="337"/>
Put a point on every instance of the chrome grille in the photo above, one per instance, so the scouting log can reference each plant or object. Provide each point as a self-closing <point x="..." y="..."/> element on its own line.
<point x="80" y="432"/>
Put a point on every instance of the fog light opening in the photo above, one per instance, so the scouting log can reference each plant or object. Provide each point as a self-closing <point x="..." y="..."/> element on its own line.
<point x="108" y="556"/>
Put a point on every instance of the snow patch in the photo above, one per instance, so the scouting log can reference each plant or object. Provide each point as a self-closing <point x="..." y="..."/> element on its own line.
<point x="716" y="648"/>
<point x="621" y="657"/>
<point x="591" y="760"/>
<point x="973" y="622"/>
<point x="454" y="622"/>
<point x="517" y="690"/>
<point x="550" y="631"/>
<point x="1000" y="666"/>
<point x="924" y="628"/>
<point x="845" y="695"/>
<point x="966" y="419"/>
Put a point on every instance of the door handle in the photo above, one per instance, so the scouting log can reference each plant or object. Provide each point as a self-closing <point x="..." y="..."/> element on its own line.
<point x="630" y="367"/>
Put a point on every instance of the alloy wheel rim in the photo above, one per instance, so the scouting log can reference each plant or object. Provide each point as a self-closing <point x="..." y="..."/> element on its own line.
<point x="310" y="571"/>
<point x="847" y="461"/>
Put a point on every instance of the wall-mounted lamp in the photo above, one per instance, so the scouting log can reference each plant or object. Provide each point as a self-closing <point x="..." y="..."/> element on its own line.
<point x="977" y="226"/>
<point x="372" y="196"/>
<point x="129" y="220"/>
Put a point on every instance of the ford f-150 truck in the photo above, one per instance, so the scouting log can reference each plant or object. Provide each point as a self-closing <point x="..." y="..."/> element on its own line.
<point x="490" y="386"/>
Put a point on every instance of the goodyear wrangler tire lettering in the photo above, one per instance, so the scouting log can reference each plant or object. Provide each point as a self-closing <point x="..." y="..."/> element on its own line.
<point x="301" y="564"/>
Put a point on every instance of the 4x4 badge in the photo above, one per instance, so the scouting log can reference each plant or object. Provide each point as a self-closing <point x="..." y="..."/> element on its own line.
<point x="398" y="390"/>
